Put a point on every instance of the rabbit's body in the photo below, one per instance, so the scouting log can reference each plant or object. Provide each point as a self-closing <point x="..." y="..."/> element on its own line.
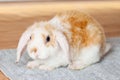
<point x="77" y="40"/>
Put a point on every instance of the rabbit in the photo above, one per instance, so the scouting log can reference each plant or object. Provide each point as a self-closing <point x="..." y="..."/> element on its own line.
<point x="72" y="38"/>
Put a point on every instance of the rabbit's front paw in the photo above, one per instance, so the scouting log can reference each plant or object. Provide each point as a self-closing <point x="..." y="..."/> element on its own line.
<point x="77" y="66"/>
<point x="45" y="67"/>
<point x="32" y="64"/>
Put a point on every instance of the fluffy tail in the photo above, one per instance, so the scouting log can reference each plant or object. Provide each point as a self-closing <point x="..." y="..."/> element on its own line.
<point x="107" y="48"/>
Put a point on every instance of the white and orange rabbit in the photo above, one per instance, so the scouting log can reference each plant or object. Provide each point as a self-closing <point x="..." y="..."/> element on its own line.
<point x="71" y="38"/>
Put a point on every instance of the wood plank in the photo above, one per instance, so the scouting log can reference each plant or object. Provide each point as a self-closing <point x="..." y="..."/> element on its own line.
<point x="48" y="0"/>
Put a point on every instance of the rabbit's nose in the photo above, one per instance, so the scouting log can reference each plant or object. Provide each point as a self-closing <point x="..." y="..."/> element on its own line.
<point x="34" y="50"/>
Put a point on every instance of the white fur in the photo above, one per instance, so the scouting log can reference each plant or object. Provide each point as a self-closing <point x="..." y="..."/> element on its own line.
<point x="58" y="23"/>
<point x="39" y="43"/>
<point x="53" y="62"/>
<point x="23" y="41"/>
<point x="87" y="56"/>
<point x="56" y="61"/>
<point x="33" y="64"/>
<point x="51" y="57"/>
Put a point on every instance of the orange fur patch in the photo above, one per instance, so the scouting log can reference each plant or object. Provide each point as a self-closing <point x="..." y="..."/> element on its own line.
<point x="34" y="50"/>
<point x="52" y="41"/>
<point x="81" y="35"/>
<point x="44" y="37"/>
<point x="50" y="29"/>
<point x="32" y="36"/>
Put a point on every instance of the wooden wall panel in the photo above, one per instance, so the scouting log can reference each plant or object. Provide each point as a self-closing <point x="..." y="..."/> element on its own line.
<point x="16" y="17"/>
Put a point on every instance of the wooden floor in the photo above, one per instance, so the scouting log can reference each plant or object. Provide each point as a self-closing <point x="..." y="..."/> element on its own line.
<point x="16" y="17"/>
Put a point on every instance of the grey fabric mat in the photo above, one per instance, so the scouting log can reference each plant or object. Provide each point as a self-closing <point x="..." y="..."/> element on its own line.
<point x="107" y="69"/>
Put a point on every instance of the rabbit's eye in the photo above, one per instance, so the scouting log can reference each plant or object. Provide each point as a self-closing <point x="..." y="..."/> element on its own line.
<point x="30" y="37"/>
<point x="48" y="39"/>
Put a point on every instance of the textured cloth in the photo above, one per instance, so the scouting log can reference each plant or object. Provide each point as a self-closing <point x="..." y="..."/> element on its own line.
<point x="107" y="69"/>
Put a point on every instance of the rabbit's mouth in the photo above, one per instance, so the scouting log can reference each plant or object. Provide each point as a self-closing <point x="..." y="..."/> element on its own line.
<point x="41" y="57"/>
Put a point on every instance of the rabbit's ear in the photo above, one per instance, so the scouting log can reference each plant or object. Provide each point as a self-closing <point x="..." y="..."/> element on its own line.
<point x="62" y="41"/>
<point x="23" y="42"/>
